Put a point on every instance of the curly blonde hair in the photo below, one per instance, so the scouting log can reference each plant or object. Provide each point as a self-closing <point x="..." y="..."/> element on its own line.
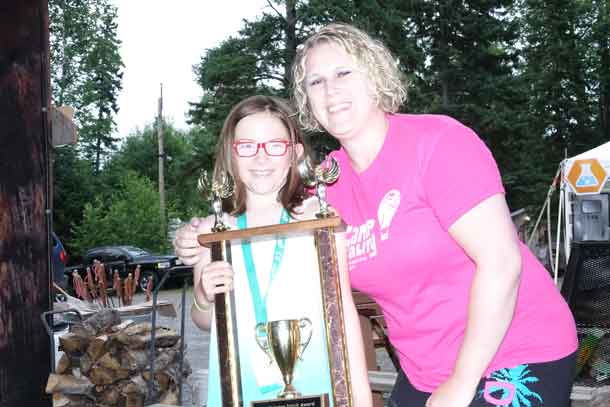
<point x="372" y="56"/>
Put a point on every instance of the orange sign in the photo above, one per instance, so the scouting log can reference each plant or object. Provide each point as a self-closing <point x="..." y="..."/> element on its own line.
<point x="587" y="176"/>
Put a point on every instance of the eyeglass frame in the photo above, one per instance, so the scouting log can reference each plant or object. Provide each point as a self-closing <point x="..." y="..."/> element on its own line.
<point x="286" y="144"/>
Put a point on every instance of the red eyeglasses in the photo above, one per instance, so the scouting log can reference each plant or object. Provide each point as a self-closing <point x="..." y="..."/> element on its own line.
<point x="247" y="148"/>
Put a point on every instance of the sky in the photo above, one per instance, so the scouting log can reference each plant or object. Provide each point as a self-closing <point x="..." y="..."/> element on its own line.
<point x="161" y="41"/>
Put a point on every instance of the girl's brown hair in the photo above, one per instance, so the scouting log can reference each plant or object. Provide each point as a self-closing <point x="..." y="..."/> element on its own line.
<point x="292" y="193"/>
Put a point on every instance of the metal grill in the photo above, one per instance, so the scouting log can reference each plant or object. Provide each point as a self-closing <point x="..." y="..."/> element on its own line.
<point x="586" y="288"/>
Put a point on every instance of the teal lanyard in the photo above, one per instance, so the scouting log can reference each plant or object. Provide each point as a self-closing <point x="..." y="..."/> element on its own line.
<point x="260" y="301"/>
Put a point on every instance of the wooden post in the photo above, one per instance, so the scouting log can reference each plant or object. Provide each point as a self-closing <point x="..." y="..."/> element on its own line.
<point x="161" y="168"/>
<point x="24" y="202"/>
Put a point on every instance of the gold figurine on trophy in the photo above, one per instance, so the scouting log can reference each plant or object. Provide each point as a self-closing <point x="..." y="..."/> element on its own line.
<point x="215" y="191"/>
<point x="326" y="173"/>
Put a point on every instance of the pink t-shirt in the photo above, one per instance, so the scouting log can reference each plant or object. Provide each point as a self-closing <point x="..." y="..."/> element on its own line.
<point x="430" y="171"/>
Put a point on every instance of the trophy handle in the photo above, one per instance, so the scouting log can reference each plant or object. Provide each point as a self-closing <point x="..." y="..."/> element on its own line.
<point x="262" y="340"/>
<point x="306" y="328"/>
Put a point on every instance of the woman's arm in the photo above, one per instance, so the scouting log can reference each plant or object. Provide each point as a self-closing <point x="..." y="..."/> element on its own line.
<point x="487" y="235"/>
<point x="361" y="390"/>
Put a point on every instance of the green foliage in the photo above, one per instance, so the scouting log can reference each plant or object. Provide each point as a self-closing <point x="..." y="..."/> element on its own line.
<point x="73" y="187"/>
<point x="86" y="70"/>
<point x="139" y="154"/>
<point x="531" y="77"/>
<point x="130" y="215"/>
<point x="85" y="74"/>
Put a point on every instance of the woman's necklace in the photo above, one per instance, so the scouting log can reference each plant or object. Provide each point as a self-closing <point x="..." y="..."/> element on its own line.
<point x="259" y="301"/>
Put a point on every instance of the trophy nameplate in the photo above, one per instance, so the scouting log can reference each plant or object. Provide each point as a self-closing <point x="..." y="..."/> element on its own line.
<point x="320" y="400"/>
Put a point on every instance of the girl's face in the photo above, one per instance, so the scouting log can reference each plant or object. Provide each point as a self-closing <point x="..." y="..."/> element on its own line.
<point x="339" y="92"/>
<point x="263" y="172"/>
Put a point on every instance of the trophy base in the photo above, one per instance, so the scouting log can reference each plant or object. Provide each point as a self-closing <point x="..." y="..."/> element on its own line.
<point x="320" y="400"/>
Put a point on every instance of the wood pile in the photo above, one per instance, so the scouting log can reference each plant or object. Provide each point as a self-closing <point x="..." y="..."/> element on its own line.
<point x="106" y="363"/>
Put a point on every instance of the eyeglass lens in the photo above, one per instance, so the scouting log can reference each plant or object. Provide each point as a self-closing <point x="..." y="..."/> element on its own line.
<point x="272" y="148"/>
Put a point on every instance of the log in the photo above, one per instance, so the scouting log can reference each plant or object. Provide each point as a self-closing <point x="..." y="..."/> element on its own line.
<point x="163" y="360"/>
<point x="64" y="364"/>
<point x="73" y="344"/>
<point x="101" y="375"/>
<point x="109" y="362"/>
<point x="68" y="384"/>
<point x="97" y="347"/>
<point x="86" y="363"/>
<point x="109" y="396"/>
<point x="163" y="380"/>
<point x="139" y="382"/>
<point x="138" y="337"/>
<point x="122" y="326"/>
<point x="68" y="400"/>
<point x="170" y="397"/>
<point x="82" y="330"/>
<point x="132" y="387"/>
<point x="134" y="400"/>
<point x="134" y="360"/>
<point x="102" y="321"/>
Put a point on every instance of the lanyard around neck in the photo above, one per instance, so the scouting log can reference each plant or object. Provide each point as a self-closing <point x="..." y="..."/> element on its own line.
<point x="260" y="301"/>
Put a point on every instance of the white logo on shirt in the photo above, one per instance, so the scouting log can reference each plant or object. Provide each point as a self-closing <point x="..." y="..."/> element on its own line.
<point x="361" y="243"/>
<point x="361" y="240"/>
<point x="387" y="208"/>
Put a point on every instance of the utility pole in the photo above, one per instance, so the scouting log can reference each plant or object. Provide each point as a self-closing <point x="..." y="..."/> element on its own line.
<point x="161" y="166"/>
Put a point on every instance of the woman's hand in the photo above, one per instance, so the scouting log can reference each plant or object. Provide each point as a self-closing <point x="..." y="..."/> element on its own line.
<point x="454" y="392"/>
<point x="186" y="246"/>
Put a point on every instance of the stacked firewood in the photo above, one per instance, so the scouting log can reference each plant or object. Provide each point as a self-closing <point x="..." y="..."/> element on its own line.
<point x="107" y="363"/>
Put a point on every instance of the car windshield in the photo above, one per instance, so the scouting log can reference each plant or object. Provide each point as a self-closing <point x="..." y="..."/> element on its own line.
<point x="135" y="251"/>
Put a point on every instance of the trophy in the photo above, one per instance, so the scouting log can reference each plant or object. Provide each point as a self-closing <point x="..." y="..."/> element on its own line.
<point x="224" y="304"/>
<point x="285" y="341"/>
<point x="319" y="176"/>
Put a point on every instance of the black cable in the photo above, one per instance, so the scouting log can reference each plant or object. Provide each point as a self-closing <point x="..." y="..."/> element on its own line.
<point x="44" y="94"/>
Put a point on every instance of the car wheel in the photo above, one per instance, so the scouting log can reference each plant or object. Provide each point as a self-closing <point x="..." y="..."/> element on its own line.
<point x="144" y="279"/>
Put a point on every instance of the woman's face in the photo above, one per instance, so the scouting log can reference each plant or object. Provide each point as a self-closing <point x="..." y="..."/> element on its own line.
<point x="263" y="174"/>
<point x="339" y="92"/>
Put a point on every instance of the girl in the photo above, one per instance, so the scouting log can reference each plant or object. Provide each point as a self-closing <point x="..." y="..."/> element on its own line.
<point x="274" y="279"/>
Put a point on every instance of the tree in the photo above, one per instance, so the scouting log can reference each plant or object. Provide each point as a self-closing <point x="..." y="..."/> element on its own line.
<point x="73" y="187"/>
<point x="86" y="69"/>
<point x="103" y="64"/>
<point x="130" y="215"/>
<point x="258" y="59"/>
<point x="85" y="74"/>
<point x="139" y="154"/>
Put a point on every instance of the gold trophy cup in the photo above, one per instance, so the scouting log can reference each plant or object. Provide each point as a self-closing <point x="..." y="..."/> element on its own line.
<point x="283" y="342"/>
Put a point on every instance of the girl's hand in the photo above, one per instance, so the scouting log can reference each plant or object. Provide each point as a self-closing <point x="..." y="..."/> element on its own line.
<point x="215" y="278"/>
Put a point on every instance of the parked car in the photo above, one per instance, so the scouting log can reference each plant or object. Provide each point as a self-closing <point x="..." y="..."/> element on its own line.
<point x="125" y="259"/>
<point x="59" y="259"/>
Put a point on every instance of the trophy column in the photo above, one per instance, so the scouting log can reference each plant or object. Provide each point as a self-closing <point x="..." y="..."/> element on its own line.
<point x="224" y="303"/>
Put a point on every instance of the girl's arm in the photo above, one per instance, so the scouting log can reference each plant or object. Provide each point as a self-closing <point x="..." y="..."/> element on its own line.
<point x="361" y="390"/>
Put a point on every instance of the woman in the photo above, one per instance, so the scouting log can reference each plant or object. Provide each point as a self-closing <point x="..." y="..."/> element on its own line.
<point x="474" y="317"/>
<point x="258" y="147"/>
